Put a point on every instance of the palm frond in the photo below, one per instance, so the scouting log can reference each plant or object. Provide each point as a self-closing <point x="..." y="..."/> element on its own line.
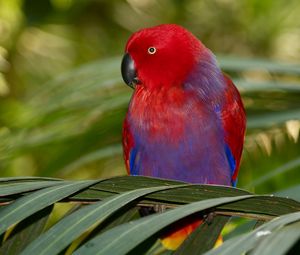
<point x="86" y="228"/>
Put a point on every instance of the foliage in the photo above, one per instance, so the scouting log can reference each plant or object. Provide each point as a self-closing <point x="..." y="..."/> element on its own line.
<point x="61" y="116"/>
<point x="64" y="122"/>
<point x="113" y="225"/>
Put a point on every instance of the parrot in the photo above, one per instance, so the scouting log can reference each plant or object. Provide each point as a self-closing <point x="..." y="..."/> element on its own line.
<point x="185" y="120"/>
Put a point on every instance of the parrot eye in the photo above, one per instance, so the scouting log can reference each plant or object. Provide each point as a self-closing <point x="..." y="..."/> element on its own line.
<point x="151" y="50"/>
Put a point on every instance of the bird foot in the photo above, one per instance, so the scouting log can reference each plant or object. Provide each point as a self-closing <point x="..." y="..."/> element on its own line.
<point x="208" y="218"/>
<point x="159" y="208"/>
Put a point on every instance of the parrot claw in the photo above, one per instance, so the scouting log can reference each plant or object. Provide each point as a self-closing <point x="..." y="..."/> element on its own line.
<point x="208" y="218"/>
<point x="159" y="208"/>
<point x="145" y="211"/>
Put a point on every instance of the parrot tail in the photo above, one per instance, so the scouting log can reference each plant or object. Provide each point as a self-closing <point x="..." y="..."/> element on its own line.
<point x="172" y="239"/>
<point x="175" y="237"/>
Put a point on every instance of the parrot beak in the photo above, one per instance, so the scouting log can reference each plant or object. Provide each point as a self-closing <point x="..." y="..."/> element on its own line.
<point x="128" y="71"/>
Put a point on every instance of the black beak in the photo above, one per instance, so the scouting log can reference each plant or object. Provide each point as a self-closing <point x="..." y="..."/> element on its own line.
<point x="128" y="71"/>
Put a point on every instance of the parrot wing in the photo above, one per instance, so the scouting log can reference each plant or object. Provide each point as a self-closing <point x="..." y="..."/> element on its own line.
<point x="234" y="124"/>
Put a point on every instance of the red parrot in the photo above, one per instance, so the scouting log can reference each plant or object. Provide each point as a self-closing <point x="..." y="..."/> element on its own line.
<point x="185" y="120"/>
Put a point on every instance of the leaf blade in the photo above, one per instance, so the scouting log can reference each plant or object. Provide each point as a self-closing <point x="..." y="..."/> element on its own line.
<point x="16" y="188"/>
<point x="25" y="232"/>
<point x="248" y="241"/>
<point x="36" y="201"/>
<point x="114" y="241"/>
<point x="58" y="237"/>
<point x="203" y="238"/>
<point x="280" y="241"/>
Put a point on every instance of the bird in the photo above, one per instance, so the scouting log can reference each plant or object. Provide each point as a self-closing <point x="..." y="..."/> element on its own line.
<point x="185" y="120"/>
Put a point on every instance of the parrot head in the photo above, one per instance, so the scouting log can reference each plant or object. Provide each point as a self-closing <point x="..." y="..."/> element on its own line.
<point x="160" y="56"/>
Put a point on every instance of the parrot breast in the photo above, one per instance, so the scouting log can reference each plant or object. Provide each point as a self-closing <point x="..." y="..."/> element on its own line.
<point x="177" y="134"/>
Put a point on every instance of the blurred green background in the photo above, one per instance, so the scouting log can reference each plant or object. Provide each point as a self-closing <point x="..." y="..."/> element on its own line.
<point x="62" y="100"/>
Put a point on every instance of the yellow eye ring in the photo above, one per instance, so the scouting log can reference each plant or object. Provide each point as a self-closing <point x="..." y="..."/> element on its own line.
<point x="151" y="50"/>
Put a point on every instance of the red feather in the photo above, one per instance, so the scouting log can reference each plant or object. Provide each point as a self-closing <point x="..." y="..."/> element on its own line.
<point x="234" y="121"/>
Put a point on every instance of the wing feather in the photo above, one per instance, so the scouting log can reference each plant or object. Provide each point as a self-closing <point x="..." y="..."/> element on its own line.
<point x="234" y="123"/>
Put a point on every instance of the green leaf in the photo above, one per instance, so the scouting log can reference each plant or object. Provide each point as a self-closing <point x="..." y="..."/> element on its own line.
<point x="292" y="192"/>
<point x="238" y="64"/>
<point x="266" y="86"/>
<point x="271" y="119"/>
<point x="280" y="241"/>
<point x="72" y="226"/>
<point x="77" y="225"/>
<point x="25" y="232"/>
<point x="203" y="238"/>
<point x="266" y="205"/>
<point x="246" y="242"/>
<point x="263" y="205"/>
<point x="26" y="206"/>
<point x="16" y="188"/>
<point x="26" y="178"/>
<point x="92" y="156"/>
<point x="282" y="169"/>
<point x="119" y="217"/>
<point x="241" y="227"/>
<point x="115" y="241"/>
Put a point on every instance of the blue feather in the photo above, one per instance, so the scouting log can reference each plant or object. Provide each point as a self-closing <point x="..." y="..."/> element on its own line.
<point x="231" y="162"/>
<point x="132" y="164"/>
